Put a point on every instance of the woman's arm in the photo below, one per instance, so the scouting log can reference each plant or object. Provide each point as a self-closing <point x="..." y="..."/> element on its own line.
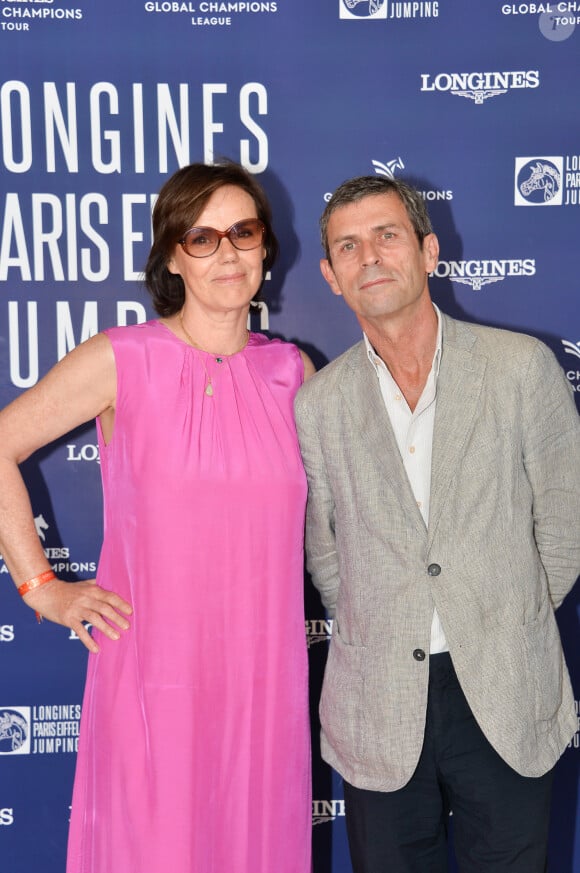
<point x="80" y="387"/>
<point x="309" y="368"/>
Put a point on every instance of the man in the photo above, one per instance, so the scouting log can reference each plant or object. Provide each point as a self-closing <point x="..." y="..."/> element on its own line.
<point x="444" y="471"/>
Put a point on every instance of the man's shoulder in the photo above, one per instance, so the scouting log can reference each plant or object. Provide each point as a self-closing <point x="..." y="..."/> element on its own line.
<point x="333" y="373"/>
<point x="510" y="358"/>
<point x="491" y="341"/>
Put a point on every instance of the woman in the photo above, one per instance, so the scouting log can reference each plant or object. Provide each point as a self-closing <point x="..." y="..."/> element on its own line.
<point x="194" y="750"/>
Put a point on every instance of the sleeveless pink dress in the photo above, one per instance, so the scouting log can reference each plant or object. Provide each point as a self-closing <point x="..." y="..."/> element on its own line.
<point x="195" y="754"/>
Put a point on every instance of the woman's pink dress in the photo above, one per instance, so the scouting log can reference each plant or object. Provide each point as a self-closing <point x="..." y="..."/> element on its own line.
<point x="194" y="754"/>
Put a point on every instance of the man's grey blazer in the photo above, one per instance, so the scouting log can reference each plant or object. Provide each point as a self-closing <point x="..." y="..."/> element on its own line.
<point x="500" y="553"/>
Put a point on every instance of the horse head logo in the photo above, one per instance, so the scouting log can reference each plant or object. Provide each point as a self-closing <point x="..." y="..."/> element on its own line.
<point x="371" y="6"/>
<point x="13" y="730"/>
<point x="41" y="525"/>
<point x="543" y="182"/>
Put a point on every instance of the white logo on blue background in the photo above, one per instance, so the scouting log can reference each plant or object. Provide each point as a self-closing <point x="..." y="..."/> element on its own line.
<point x="15" y="730"/>
<point x="479" y="95"/>
<point x="388" y="169"/>
<point x="41" y="525"/>
<point x="324" y="811"/>
<point x="318" y="630"/>
<point x="363" y="8"/>
<point x="573" y="376"/>
<point x="538" y="181"/>
<point x="571" y="348"/>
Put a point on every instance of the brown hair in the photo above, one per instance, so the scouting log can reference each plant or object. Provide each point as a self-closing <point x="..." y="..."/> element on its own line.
<point x="363" y="186"/>
<point x="179" y="204"/>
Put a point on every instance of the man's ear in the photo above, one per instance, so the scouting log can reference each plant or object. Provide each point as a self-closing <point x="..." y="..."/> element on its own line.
<point x="328" y="273"/>
<point x="431" y="252"/>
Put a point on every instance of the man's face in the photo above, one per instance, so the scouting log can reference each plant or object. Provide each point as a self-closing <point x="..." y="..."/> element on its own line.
<point x="376" y="262"/>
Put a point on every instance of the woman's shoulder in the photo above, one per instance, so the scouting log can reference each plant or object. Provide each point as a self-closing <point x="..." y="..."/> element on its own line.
<point x="133" y="333"/>
<point x="273" y="343"/>
<point x="148" y="336"/>
<point x="272" y="347"/>
<point x="279" y="351"/>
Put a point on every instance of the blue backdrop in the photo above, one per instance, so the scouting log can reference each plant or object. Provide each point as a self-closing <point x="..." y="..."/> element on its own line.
<point x="474" y="102"/>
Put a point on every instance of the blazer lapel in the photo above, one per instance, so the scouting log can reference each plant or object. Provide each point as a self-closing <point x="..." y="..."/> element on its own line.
<point x="362" y="397"/>
<point x="459" y="386"/>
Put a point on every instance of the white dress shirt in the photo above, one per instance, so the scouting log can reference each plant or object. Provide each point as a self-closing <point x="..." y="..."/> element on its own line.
<point x="414" y="435"/>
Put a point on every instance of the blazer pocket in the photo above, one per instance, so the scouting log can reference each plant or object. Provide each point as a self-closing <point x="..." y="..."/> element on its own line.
<point x="341" y="701"/>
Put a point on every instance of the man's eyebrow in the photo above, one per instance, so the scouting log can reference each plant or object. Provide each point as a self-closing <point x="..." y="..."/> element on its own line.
<point x="342" y="238"/>
<point x="377" y="228"/>
<point x="388" y="225"/>
<point x="374" y="228"/>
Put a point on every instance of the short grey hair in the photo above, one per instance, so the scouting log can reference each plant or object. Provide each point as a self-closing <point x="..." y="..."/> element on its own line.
<point x="355" y="189"/>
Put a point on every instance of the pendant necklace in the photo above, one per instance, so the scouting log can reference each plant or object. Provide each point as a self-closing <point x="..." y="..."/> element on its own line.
<point x="219" y="359"/>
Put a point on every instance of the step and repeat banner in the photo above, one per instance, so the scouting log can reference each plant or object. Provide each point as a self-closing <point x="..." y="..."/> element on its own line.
<point x="474" y="101"/>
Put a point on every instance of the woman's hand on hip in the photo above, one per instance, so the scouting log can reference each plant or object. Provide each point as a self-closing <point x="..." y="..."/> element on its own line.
<point x="73" y="604"/>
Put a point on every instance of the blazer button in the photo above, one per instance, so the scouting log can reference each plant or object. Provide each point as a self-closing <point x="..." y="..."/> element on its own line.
<point x="419" y="655"/>
<point x="433" y="569"/>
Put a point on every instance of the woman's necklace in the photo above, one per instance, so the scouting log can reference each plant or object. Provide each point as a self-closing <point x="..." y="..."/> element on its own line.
<point x="219" y="359"/>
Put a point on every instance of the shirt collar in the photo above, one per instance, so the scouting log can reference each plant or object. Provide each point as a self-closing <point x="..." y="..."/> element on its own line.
<point x="377" y="362"/>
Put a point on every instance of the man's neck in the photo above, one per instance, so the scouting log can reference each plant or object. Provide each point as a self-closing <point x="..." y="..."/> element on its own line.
<point x="407" y="346"/>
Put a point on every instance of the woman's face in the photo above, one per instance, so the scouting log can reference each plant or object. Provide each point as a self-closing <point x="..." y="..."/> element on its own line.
<point x="228" y="279"/>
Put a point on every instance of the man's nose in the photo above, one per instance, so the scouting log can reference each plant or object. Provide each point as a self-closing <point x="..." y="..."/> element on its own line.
<point x="370" y="253"/>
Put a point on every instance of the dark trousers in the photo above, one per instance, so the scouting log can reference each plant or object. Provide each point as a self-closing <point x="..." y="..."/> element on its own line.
<point x="500" y="819"/>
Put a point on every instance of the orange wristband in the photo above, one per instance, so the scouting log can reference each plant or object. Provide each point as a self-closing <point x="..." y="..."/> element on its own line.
<point x="36" y="582"/>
